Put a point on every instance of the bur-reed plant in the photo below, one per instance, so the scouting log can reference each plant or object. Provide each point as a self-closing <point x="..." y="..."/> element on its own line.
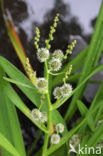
<point x="45" y="115"/>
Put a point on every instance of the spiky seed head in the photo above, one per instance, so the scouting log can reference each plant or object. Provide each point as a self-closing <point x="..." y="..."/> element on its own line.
<point x="99" y="122"/>
<point x="44" y="117"/>
<point x="57" y="92"/>
<point x="59" y="128"/>
<point x="99" y="145"/>
<point x="42" y="84"/>
<point x="55" y="139"/>
<point x="42" y="54"/>
<point x="55" y="64"/>
<point x="58" y="54"/>
<point x="75" y="140"/>
<point x="66" y="90"/>
<point x="36" y="114"/>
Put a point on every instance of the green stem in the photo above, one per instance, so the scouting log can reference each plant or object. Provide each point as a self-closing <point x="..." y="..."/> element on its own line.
<point x="100" y="48"/>
<point x="46" y="139"/>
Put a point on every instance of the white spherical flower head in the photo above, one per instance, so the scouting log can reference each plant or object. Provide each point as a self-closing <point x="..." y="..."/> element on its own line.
<point x="44" y="117"/>
<point x="59" y="128"/>
<point x="36" y="114"/>
<point x="55" y="64"/>
<point x="58" y="54"/>
<point x="55" y="139"/>
<point x="57" y="92"/>
<point x="66" y="90"/>
<point x="42" y="54"/>
<point x="42" y="84"/>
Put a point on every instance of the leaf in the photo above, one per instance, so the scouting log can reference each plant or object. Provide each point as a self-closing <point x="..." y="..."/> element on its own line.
<point x="62" y="151"/>
<point x="15" y="40"/>
<point x="19" y="103"/>
<point x="32" y="93"/>
<point x="8" y="146"/>
<point x="15" y="128"/>
<point x="89" y="63"/>
<point x="71" y="132"/>
<point x="16" y="82"/>
<point x="96" y="137"/>
<point x="84" y="110"/>
<point x="9" y="124"/>
<point x="15" y="74"/>
<point x="97" y="99"/>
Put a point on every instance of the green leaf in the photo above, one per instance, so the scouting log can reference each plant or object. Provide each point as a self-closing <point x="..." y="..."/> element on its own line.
<point x="17" y="75"/>
<point x="71" y="132"/>
<point x="62" y="151"/>
<point x="16" y="82"/>
<point x="31" y="93"/>
<point x="97" y="98"/>
<point x="15" y="128"/>
<point x="12" y="95"/>
<point x="96" y="137"/>
<point x="9" y="123"/>
<point x="84" y="110"/>
<point x="8" y="146"/>
<point x="89" y="63"/>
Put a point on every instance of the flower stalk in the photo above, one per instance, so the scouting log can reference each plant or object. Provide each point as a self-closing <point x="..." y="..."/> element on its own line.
<point x="46" y="139"/>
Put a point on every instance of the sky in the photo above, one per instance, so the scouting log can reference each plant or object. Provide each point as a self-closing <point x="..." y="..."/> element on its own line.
<point x="85" y="10"/>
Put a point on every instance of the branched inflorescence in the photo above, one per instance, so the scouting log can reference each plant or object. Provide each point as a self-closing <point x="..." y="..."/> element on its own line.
<point x="53" y="63"/>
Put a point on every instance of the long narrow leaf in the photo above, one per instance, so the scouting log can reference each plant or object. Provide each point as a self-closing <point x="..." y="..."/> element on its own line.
<point x="15" y="40"/>
<point x="84" y="110"/>
<point x="89" y="63"/>
<point x="9" y="123"/>
<point x="70" y="133"/>
<point x="8" y="146"/>
<point x="19" y="103"/>
<point x="32" y="93"/>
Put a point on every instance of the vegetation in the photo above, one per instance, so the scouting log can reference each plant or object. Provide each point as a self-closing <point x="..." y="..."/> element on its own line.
<point x="51" y="91"/>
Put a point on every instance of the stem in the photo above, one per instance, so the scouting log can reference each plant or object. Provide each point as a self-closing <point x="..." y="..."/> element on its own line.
<point x="56" y="74"/>
<point x="46" y="139"/>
